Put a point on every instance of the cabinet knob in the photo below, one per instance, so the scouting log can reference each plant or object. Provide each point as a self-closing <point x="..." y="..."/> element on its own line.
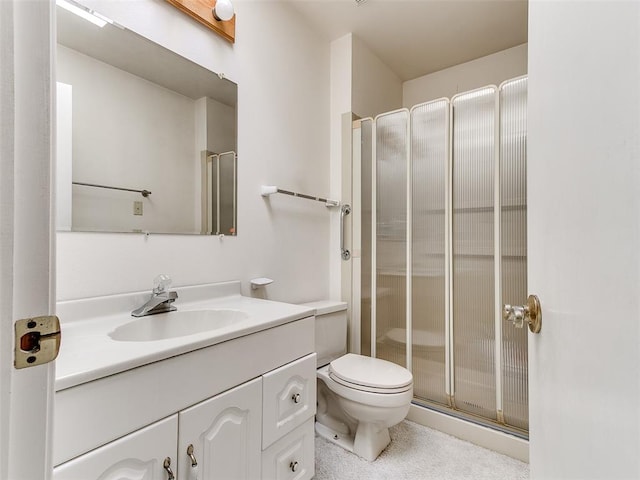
<point x="294" y="466"/>
<point x="296" y="398"/>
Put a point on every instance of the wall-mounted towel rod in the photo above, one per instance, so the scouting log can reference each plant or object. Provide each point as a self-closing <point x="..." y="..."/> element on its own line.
<point x="270" y="190"/>
<point x="144" y="193"/>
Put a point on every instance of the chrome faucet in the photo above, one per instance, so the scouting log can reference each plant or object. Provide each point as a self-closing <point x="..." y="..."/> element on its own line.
<point x="161" y="298"/>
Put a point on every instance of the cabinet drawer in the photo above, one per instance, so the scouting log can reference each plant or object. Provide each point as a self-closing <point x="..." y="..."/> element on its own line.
<point x="291" y="457"/>
<point x="289" y="398"/>
<point x="140" y="455"/>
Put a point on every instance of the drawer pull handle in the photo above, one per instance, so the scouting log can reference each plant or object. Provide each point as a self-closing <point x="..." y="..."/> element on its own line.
<point x="296" y="398"/>
<point x="194" y="463"/>
<point x="167" y="466"/>
<point x="294" y="466"/>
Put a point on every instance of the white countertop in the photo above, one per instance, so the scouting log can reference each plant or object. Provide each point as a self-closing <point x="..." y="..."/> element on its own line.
<point x="88" y="353"/>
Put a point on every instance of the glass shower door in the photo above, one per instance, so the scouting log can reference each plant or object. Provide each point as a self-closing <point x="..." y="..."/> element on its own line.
<point x="513" y="247"/>
<point x="444" y="216"/>
<point x="473" y="251"/>
<point x="429" y="278"/>
<point x="390" y="250"/>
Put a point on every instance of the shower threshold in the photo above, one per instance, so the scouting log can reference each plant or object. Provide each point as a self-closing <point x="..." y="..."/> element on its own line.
<point x="508" y="441"/>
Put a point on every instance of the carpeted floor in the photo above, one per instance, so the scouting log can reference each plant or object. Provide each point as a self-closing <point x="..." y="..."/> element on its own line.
<point x="418" y="453"/>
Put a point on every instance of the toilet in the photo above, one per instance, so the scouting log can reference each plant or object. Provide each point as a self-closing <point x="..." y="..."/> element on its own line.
<point x="359" y="397"/>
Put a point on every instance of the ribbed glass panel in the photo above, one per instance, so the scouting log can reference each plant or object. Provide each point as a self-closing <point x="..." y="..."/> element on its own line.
<point x="366" y="128"/>
<point x="513" y="191"/>
<point x="227" y="194"/>
<point x="473" y="252"/>
<point x="429" y="159"/>
<point x="391" y="235"/>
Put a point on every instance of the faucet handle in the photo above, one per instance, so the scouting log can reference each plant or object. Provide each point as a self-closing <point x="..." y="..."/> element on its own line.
<point x="161" y="283"/>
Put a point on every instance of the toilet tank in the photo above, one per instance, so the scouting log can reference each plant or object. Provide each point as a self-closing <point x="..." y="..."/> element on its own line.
<point x="331" y="330"/>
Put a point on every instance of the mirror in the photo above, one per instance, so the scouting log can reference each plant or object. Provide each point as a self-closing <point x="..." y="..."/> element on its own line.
<point x="146" y="138"/>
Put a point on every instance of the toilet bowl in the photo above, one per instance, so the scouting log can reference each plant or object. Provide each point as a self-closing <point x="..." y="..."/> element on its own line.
<point x="359" y="397"/>
<point x="373" y="396"/>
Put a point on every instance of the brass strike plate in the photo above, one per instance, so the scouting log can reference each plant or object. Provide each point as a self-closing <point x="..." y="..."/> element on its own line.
<point x="37" y="341"/>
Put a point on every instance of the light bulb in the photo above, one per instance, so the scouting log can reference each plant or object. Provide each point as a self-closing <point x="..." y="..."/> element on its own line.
<point x="223" y="10"/>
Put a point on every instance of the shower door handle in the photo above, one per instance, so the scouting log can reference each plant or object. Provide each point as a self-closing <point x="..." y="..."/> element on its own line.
<point x="531" y="313"/>
<point x="344" y="211"/>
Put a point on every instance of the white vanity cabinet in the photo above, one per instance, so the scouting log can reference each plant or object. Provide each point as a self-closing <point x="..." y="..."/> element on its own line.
<point x="224" y="433"/>
<point x="245" y="405"/>
<point x="139" y="455"/>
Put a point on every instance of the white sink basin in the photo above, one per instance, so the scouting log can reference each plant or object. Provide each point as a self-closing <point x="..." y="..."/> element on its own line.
<point x="176" y="324"/>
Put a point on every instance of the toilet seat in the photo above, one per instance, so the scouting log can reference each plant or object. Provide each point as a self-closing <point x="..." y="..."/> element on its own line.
<point x="365" y="397"/>
<point x="370" y="374"/>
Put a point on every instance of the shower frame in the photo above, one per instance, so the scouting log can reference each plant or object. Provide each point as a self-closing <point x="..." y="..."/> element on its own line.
<point x="357" y="288"/>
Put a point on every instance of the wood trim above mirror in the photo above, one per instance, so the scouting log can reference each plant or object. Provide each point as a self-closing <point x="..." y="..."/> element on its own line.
<point x="201" y="10"/>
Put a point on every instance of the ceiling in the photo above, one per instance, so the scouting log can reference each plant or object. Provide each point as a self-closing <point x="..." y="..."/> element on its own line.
<point x="417" y="37"/>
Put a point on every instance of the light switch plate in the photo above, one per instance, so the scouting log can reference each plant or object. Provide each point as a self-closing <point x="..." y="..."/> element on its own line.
<point x="137" y="208"/>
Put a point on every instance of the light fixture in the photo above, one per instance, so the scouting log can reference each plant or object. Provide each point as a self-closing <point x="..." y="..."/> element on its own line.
<point x="87" y="14"/>
<point x="223" y="10"/>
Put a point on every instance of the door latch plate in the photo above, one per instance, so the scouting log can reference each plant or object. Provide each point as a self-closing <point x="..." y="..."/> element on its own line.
<point x="37" y="341"/>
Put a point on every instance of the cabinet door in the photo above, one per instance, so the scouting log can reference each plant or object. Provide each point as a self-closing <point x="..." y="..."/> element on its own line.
<point x="137" y="456"/>
<point x="225" y="434"/>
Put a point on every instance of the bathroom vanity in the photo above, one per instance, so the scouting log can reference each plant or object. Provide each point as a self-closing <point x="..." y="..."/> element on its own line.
<point x="237" y="401"/>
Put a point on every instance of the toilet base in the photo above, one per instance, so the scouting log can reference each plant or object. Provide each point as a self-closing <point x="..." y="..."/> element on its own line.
<point x="345" y="441"/>
<point x="369" y="442"/>
<point x="371" y="439"/>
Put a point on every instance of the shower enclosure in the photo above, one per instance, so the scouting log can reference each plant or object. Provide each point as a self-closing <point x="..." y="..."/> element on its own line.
<point x="443" y="247"/>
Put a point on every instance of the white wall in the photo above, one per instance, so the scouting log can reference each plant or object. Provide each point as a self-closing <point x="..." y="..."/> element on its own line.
<point x="376" y="88"/>
<point x="122" y="137"/>
<point x="64" y="155"/>
<point x="283" y="139"/>
<point x="340" y="100"/>
<point x="362" y="84"/>
<point x="221" y="126"/>
<point x="490" y="70"/>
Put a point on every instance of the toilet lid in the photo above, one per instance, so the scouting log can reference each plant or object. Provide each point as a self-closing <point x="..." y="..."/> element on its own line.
<point x="372" y="373"/>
